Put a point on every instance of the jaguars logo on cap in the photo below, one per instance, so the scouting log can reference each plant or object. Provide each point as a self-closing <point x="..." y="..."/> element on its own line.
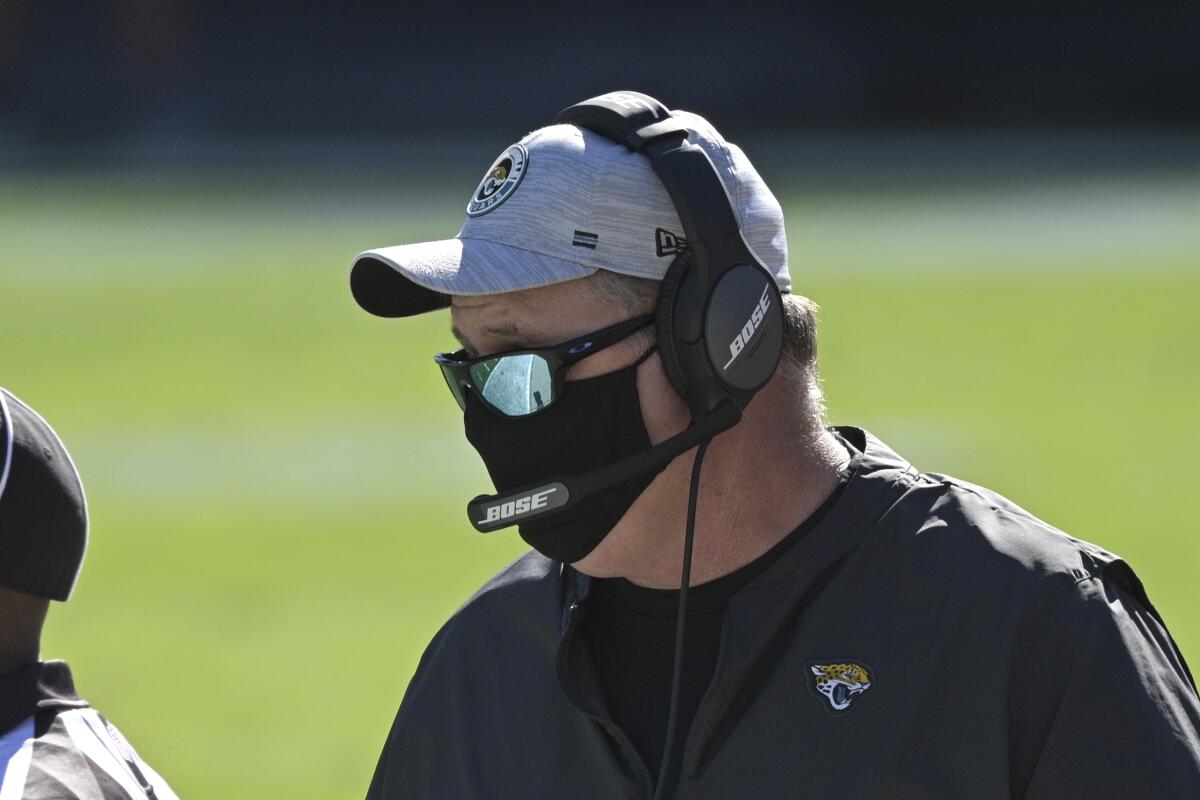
<point x="500" y="182"/>
<point x="839" y="684"/>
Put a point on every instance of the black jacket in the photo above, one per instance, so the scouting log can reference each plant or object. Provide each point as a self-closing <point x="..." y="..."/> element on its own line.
<point x="927" y="639"/>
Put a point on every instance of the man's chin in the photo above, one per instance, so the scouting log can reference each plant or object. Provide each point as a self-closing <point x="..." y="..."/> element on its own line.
<point x="609" y="559"/>
<point x="596" y="566"/>
<point x="620" y="555"/>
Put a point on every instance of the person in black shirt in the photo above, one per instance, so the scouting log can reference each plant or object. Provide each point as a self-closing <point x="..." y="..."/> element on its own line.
<point x="854" y="627"/>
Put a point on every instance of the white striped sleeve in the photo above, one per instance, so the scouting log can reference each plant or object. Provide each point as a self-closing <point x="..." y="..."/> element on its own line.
<point x="12" y="779"/>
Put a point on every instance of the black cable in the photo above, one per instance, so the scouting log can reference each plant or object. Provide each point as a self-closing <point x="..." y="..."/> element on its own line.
<point x="681" y="623"/>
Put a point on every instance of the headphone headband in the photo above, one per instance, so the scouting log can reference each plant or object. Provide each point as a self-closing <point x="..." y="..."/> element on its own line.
<point x="631" y="118"/>
<point x="717" y="305"/>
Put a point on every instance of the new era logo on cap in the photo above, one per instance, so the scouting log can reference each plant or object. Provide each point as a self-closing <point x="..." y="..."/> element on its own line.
<point x="558" y="205"/>
<point x="667" y="243"/>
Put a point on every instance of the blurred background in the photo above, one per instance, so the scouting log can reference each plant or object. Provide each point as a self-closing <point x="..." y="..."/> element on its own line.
<point x="996" y="210"/>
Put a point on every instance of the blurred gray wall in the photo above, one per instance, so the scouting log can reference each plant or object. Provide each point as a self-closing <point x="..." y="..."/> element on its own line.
<point x="80" y="75"/>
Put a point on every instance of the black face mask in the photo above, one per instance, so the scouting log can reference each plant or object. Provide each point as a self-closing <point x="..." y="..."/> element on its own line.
<point x="596" y="421"/>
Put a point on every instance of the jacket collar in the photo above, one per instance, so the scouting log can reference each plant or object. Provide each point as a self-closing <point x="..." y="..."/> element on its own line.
<point x="876" y="478"/>
<point x="36" y="687"/>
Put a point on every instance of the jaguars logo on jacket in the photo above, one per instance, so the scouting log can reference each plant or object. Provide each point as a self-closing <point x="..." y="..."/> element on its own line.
<point x="839" y="684"/>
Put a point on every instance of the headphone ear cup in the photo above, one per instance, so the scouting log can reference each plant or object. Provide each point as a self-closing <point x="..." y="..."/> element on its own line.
<point x="664" y="321"/>
<point x="743" y="329"/>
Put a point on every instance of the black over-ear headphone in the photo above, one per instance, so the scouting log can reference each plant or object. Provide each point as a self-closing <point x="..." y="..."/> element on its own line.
<point x="720" y="313"/>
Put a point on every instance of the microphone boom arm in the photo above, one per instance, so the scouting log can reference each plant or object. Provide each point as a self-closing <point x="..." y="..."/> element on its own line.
<point x="492" y="512"/>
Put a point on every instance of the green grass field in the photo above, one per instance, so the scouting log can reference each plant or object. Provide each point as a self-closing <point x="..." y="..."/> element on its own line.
<point x="277" y="481"/>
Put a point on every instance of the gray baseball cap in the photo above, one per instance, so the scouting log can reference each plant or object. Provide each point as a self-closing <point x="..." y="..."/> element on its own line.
<point x="558" y="205"/>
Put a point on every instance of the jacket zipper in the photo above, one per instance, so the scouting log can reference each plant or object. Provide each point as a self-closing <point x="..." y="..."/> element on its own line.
<point x="564" y="679"/>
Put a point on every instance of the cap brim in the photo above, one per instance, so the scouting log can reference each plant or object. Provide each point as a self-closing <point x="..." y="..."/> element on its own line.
<point x="411" y="279"/>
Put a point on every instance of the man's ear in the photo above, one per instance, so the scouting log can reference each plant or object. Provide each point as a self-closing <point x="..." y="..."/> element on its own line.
<point x="664" y="411"/>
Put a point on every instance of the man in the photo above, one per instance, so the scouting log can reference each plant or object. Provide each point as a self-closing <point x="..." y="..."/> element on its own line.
<point x="854" y="627"/>
<point x="53" y="746"/>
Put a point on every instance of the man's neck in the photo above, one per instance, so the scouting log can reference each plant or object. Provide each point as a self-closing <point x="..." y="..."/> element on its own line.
<point x="21" y="620"/>
<point x="759" y="481"/>
<point x="11" y="660"/>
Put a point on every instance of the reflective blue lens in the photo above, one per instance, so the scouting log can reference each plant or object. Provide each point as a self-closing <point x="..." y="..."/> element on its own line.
<point x="514" y="385"/>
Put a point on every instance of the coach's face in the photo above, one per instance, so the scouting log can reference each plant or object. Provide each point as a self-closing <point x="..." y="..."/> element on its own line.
<point x="550" y="315"/>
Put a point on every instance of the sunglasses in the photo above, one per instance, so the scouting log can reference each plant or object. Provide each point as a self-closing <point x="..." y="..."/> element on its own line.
<point x="524" y="382"/>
